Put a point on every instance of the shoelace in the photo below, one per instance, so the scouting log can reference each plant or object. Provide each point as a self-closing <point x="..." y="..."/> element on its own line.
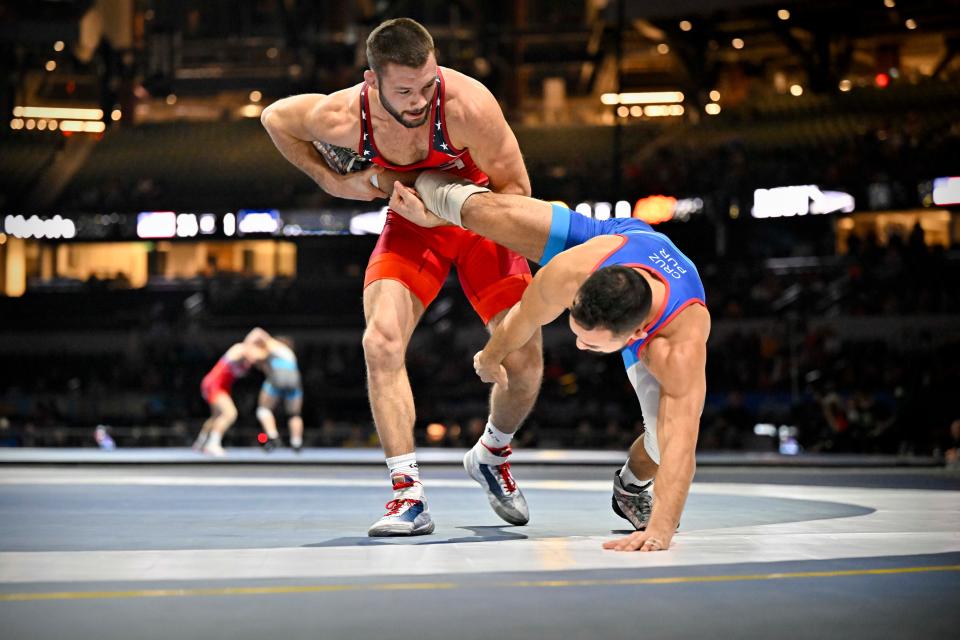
<point x="639" y="504"/>
<point x="506" y="479"/>
<point x="394" y="506"/>
<point x="509" y="484"/>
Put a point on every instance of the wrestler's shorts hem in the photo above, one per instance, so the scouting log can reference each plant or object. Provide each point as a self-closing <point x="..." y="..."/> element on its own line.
<point x="389" y="266"/>
<point x="211" y="394"/>
<point x="499" y="296"/>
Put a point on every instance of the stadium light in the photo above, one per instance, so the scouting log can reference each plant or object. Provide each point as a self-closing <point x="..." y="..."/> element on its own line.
<point x="642" y="97"/>
<point x="156" y="224"/>
<point x="60" y="113"/>
<point x="946" y="191"/>
<point x="82" y="127"/>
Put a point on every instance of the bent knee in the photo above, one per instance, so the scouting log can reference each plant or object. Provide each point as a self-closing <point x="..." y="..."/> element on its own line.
<point x="526" y="363"/>
<point x="383" y="348"/>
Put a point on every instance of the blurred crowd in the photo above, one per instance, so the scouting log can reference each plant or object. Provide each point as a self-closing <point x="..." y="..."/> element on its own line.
<point x="784" y="352"/>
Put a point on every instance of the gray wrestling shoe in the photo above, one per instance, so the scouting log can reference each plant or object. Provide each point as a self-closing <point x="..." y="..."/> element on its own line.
<point x="407" y="514"/>
<point x="494" y="476"/>
<point x="632" y="503"/>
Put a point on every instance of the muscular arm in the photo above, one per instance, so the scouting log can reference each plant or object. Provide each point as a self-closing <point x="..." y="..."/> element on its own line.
<point x="682" y="392"/>
<point x="257" y="334"/>
<point x="551" y="291"/>
<point x="294" y="123"/>
<point x="479" y="125"/>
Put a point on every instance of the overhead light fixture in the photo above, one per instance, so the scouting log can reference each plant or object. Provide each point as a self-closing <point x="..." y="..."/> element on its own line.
<point x="663" y="110"/>
<point x="61" y="113"/>
<point x="685" y="25"/>
<point x="737" y="43"/>
<point x="642" y="97"/>
<point x="796" y="90"/>
<point x="251" y="110"/>
<point x="77" y="126"/>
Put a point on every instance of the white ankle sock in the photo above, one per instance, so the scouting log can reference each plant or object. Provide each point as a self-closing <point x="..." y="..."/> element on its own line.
<point x="296" y="442"/>
<point x="628" y="477"/>
<point x="407" y="465"/>
<point x="213" y="439"/>
<point x="494" y="438"/>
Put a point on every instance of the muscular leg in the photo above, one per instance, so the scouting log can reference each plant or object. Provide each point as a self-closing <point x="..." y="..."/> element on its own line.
<point x="295" y="422"/>
<point x="509" y="407"/>
<point x="513" y="221"/>
<point x="640" y="463"/>
<point x="266" y="404"/>
<point x="224" y="414"/>
<point x="392" y="312"/>
<point x="516" y="222"/>
<point x="205" y="429"/>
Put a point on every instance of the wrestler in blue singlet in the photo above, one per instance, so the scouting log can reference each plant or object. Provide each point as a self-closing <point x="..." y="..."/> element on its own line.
<point x="642" y="247"/>
<point x="282" y="375"/>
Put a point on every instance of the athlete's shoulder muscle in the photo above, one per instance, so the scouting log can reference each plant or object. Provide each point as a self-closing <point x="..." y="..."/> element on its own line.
<point x="335" y="118"/>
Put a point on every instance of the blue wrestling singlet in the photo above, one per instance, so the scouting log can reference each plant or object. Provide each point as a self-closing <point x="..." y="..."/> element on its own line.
<point x="641" y="247"/>
<point x="283" y="375"/>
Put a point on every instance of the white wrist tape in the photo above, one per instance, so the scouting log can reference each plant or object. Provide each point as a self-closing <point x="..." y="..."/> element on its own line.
<point x="444" y="194"/>
<point x="374" y="181"/>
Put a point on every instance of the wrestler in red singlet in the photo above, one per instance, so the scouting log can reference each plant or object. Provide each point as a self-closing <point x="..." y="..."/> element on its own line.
<point x="216" y="387"/>
<point x="492" y="277"/>
<point x="220" y="379"/>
